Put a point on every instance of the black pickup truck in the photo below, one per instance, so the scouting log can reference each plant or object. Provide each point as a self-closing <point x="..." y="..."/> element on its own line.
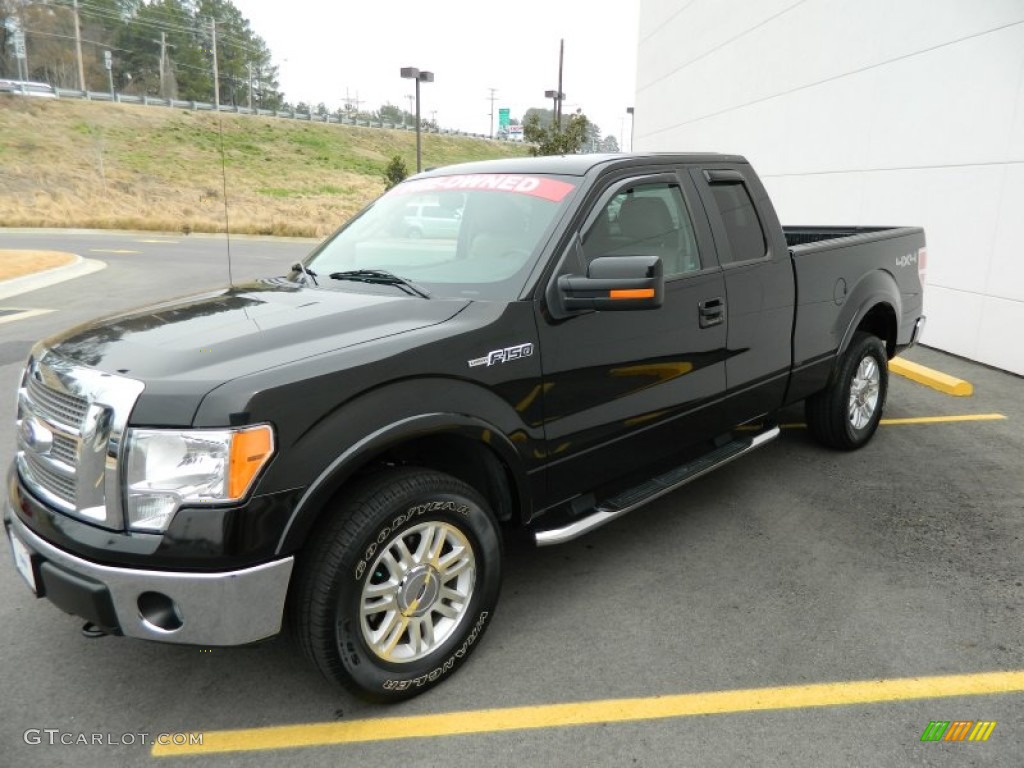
<point x="344" y="447"/>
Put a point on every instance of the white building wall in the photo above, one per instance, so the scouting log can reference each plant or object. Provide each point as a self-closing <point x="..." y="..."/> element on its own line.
<point x="861" y="112"/>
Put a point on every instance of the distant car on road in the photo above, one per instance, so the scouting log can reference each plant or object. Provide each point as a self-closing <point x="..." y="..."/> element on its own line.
<point x="28" y="88"/>
<point x="431" y="220"/>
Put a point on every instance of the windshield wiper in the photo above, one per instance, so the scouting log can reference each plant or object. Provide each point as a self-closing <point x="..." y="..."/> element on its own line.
<point x="300" y="267"/>
<point x="381" y="277"/>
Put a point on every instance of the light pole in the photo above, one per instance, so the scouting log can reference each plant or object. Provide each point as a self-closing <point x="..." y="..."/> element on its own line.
<point x="412" y="73"/>
<point x="557" y="97"/>
<point x="632" y="122"/>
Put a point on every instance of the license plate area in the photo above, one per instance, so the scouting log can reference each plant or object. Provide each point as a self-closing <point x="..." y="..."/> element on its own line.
<point x="23" y="561"/>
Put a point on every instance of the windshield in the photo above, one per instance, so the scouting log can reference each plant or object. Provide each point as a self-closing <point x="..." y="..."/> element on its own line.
<point x="468" y="235"/>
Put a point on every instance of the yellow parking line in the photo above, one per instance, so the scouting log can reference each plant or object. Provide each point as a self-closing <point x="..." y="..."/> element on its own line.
<point x="897" y="422"/>
<point x="946" y="419"/>
<point x="943" y="382"/>
<point x="594" y="712"/>
<point x="112" y="250"/>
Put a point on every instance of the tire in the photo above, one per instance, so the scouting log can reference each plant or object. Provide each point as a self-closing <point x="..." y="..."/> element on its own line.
<point x="414" y="233"/>
<point x="420" y="551"/>
<point x="845" y="414"/>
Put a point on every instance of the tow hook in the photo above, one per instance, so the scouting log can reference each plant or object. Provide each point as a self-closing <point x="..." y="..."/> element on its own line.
<point x="92" y="631"/>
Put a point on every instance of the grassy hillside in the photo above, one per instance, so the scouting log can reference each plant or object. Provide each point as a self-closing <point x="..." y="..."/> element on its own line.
<point x="70" y="163"/>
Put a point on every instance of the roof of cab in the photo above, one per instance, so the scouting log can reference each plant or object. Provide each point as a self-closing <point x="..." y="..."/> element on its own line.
<point x="576" y="165"/>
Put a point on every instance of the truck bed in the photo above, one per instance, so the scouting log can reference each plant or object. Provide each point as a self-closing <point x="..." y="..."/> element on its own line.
<point x="805" y="235"/>
<point x="837" y="269"/>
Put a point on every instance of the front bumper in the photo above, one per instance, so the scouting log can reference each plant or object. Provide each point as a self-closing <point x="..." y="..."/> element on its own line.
<point x="224" y="608"/>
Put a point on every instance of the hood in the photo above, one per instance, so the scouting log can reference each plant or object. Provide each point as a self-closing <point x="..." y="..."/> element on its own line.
<point x="233" y="332"/>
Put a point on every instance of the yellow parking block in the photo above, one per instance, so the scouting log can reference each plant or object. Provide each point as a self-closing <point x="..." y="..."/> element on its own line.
<point x="943" y="382"/>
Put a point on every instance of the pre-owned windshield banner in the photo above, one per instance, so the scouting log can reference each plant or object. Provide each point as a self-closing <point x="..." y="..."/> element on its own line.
<point x="535" y="186"/>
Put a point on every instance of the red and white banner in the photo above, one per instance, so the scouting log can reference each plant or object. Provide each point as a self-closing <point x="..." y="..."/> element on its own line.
<point x="536" y="186"/>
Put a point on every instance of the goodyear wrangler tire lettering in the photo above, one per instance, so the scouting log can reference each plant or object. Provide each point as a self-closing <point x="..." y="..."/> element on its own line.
<point x="424" y="551"/>
<point x="448" y="664"/>
<point x="382" y="535"/>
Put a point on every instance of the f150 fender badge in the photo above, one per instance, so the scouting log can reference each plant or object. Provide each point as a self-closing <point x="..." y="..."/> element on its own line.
<point x="503" y="355"/>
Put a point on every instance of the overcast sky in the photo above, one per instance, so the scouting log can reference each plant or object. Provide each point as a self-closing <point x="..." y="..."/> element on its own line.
<point x="323" y="48"/>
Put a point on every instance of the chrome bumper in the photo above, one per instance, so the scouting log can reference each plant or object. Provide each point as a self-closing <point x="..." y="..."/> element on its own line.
<point x="228" y="608"/>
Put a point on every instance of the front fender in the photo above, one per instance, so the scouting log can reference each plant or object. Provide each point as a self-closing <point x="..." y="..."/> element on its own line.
<point x="367" y="426"/>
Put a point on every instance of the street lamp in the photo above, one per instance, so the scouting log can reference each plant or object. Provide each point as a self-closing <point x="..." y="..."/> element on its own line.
<point x="412" y="73"/>
<point x="557" y="97"/>
<point x="632" y="122"/>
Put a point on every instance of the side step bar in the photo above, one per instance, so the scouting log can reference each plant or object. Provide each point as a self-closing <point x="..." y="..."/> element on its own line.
<point x="636" y="497"/>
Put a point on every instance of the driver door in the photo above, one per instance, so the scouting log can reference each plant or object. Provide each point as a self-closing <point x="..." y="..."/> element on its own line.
<point x="625" y="389"/>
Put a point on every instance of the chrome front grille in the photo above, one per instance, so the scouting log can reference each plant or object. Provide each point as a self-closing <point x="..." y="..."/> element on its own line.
<point x="54" y="406"/>
<point x="50" y="480"/>
<point x="65" y="449"/>
<point x="71" y="422"/>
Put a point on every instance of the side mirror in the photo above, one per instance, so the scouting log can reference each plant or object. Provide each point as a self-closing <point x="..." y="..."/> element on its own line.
<point x="615" y="282"/>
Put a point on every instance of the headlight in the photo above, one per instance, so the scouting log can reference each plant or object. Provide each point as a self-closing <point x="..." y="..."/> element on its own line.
<point x="169" y="468"/>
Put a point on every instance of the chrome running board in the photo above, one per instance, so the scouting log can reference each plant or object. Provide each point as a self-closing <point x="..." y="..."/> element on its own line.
<point x="655" y="488"/>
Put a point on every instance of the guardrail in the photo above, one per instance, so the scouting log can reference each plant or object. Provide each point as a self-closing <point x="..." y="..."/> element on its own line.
<point x="196" y="106"/>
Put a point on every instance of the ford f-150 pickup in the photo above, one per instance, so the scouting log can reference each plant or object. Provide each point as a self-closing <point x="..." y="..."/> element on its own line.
<point x="342" y="448"/>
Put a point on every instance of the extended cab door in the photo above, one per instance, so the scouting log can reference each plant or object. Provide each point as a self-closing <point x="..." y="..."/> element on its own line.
<point x="626" y="388"/>
<point x="759" y="287"/>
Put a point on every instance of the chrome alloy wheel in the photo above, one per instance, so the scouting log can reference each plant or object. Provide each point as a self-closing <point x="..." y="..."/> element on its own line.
<point x="417" y="592"/>
<point x="864" y="393"/>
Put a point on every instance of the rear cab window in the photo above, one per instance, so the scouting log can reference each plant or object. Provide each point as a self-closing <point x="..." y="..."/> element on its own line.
<point x="742" y="232"/>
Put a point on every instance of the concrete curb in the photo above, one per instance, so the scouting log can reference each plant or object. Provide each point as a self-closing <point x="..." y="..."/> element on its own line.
<point x="78" y="268"/>
<point x="943" y="382"/>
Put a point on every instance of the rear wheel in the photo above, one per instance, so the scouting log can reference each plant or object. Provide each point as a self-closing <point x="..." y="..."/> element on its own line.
<point x="399" y="584"/>
<point x="845" y="415"/>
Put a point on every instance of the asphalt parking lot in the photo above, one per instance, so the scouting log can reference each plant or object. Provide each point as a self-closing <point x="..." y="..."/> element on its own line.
<point x="698" y="631"/>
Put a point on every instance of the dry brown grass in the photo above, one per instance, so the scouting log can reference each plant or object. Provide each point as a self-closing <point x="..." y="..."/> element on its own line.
<point x="69" y="163"/>
<point x="20" y="263"/>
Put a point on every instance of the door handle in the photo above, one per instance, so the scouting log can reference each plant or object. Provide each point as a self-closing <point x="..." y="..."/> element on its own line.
<point x="711" y="312"/>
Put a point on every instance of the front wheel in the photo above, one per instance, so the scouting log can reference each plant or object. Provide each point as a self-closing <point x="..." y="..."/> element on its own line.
<point x="399" y="585"/>
<point x="845" y="414"/>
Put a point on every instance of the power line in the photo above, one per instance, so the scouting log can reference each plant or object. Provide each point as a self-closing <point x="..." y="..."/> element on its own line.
<point x="72" y="37"/>
<point x="233" y="41"/>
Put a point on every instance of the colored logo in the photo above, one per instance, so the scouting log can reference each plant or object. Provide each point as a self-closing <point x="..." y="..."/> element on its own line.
<point x="958" y="730"/>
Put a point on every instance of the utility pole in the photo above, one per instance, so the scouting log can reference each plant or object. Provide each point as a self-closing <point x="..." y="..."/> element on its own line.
<point x="492" y="90"/>
<point x="355" y="102"/>
<point x="250" y="84"/>
<point x="163" y="64"/>
<point x="163" y="58"/>
<point x="216" y="75"/>
<point x="78" y="49"/>
<point x="561" y="96"/>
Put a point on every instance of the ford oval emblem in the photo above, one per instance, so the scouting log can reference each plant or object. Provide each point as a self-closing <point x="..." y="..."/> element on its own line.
<point x="35" y="436"/>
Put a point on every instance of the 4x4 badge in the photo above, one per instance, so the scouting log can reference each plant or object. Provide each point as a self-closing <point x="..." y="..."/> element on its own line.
<point x="503" y="355"/>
